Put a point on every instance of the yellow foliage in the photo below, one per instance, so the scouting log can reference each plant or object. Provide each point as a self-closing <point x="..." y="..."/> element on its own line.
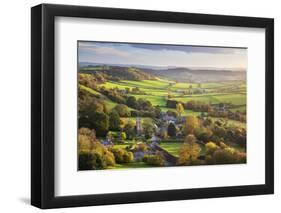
<point x="211" y="147"/>
<point x="189" y="151"/>
<point x="191" y="123"/>
<point x="179" y="108"/>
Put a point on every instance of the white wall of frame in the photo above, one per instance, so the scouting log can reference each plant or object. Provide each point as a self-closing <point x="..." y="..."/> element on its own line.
<point x="15" y="105"/>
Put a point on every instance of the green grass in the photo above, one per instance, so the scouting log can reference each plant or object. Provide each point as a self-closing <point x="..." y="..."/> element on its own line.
<point x="110" y="104"/>
<point x="195" y="85"/>
<point x="130" y="165"/>
<point x="236" y="99"/>
<point x="241" y="109"/>
<point x="172" y="147"/>
<point x="232" y="122"/>
<point x="127" y="119"/>
<point x="155" y="100"/>
<point x="186" y="112"/>
<point x="122" y="146"/>
<point x="157" y="91"/>
<point x="144" y="85"/>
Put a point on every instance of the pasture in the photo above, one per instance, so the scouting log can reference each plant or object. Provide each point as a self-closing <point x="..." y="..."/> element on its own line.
<point x="159" y="90"/>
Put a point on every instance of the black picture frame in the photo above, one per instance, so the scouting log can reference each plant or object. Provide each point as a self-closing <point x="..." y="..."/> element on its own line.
<point x="43" y="102"/>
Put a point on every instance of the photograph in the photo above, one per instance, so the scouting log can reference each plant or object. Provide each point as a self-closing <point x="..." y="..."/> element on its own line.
<point x="139" y="105"/>
<point x="160" y="105"/>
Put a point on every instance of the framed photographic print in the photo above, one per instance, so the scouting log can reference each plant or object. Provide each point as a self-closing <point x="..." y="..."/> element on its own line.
<point x="140" y="106"/>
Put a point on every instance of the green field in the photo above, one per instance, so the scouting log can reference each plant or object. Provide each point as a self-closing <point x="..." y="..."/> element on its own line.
<point x="174" y="147"/>
<point x="130" y="165"/>
<point x="156" y="91"/>
<point x="236" y="99"/>
<point x="232" y="122"/>
<point x="110" y="104"/>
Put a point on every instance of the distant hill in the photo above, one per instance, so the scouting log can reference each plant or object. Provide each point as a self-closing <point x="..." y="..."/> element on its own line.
<point x="117" y="72"/>
<point x="139" y="72"/>
<point x="198" y="75"/>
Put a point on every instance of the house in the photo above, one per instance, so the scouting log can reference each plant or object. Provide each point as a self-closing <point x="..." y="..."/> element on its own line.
<point x="155" y="139"/>
<point x="169" y="118"/>
<point x="107" y="142"/>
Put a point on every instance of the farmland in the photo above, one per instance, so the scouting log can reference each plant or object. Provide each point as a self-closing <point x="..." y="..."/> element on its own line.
<point x="160" y="105"/>
<point x="157" y="92"/>
<point x="149" y="122"/>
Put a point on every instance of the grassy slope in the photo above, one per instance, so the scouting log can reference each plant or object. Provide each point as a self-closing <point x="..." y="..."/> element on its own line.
<point x="130" y="165"/>
<point x="158" y="90"/>
<point x="110" y="104"/>
<point x="174" y="147"/>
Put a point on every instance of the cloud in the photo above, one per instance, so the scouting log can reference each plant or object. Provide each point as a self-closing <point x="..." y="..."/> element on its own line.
<point x="101" y="49"/>
<point x="185" y="48"/>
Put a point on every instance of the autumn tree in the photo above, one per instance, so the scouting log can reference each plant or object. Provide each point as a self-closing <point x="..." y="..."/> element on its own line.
<point x="189" y="151"/>
<point x="179" y="109"/>
<point x="191" y="123"/>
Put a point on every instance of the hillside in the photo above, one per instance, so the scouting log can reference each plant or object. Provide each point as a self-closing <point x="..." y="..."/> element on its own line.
<point x="121" y="73"/>
<point x="181" y="74"/>
<point x="198" y="75"/>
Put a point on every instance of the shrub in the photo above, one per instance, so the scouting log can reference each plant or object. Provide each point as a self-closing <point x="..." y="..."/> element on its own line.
<point x="222" y="145"/>
<point x="122" y="156"/>
<point x="86" y="139"/>
<point x="122" y="110"/>
<point x="154" y="160"/>
<point x="211" y="147"/>
<point x="128" y="157"/>
<point x="203" y="134"/>
<point x="209" y="159"/>
<point x="225" y="156"/>
<point x="141" y="147"/>
<point x="109" y="158"/>
<point x="91" y="160"/>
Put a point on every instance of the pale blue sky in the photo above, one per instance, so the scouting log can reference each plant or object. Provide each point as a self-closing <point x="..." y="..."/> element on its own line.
<point x="162" y="55"/>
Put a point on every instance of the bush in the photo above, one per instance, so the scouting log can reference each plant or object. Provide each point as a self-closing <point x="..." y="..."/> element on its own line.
<point x="209" y="159"/>
<point x="141" y="147"/>
<point x="86" y="139"/>
<point x="154" y="160"/>
<point x="109" y="158"/>
<point x="91" y="160"/>
<point x="122" y="156"/>
<point x="128" y="157"/>
<point x="211" y="147"/>
<point x="225" y="156"/>
<point x="122" y="110"/>
<point x="203" y="134"/>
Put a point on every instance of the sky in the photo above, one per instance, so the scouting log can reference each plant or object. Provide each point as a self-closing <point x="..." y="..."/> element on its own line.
<point x="162" y="55"/>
